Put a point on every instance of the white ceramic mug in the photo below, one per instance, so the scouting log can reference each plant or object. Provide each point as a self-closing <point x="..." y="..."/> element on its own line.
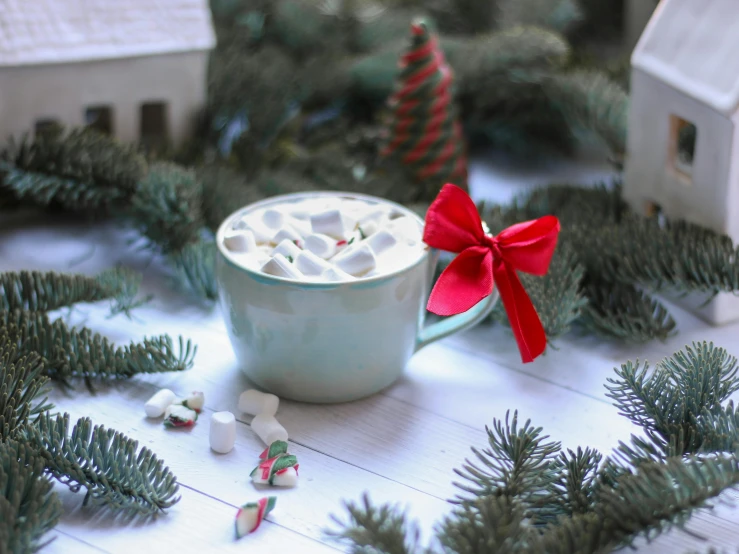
<point x="330" y="342"/>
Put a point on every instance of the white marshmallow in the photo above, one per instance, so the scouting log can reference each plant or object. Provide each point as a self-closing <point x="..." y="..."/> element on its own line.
<point x="329" y="222"/>
<point x="256" y="402"/>
<point x="372" y="221"/>
<point x="287" y="248"/>
<point x="287" y="478"/>
<point x="252" y="260"/>
<point x="310" y="264"/>
<point x="268" y="429"/>
<point x="381" y="241"/>
<point x="286" y="233"/>
<point x="195" y="401"/>
<point x="333" y="274"/>
<point x="240" y="224"/>
<point x="280" y="267"/>
<point x="273" y="219"/>
<point x="321" y="245"/>
<point x="240" y="241"/>
<point x="301" y="226"/>
<point x="357" y="260"/>
<point x="405" y="229"/>
<point x="222" y="434"/>
<point x="157" y="404"/>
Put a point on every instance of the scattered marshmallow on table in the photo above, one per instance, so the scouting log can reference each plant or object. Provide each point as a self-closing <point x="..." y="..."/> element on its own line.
<point x="222" y="434"/>
<point x="240" y="241"/>
<point x="157" y="404"/>
<point x="356" y="260"/>
<point x="268" y="429"/>
<point x="254" y="402"/>
<point x="310" y="264"/>
<point x="279" y="266"/>
<point x="321" y="245"/>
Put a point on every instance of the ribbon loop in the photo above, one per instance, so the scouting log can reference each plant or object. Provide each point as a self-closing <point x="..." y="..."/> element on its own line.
<point x="453" y="224"/>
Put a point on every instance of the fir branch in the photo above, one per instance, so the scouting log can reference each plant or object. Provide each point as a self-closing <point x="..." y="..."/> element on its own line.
<point x="28" y="506"/>
<point x="518" y="464"/>
<point x="167" y="206"/>
<point x="576" y="487"/>
<point x="558" y="15"/>
<point x="622" y="311"/>
<point x="47" y="291"/>
<point x="109" y="465"/>
<point x="195" y="267"/>
<point x="81" y="170"/>
<point x="21" y="383"/>
<point x="371" y="529"/>
<point x="80" y="353"/>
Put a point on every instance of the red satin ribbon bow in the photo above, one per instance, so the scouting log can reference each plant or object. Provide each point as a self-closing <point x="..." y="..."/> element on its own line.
<point x="453" y="224"/>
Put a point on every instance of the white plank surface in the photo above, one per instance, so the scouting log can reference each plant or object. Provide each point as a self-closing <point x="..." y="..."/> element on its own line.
<point x="401" y="445"/>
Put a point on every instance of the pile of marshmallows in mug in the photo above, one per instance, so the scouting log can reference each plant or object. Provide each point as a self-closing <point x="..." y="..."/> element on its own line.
<point x="324" y="239"/>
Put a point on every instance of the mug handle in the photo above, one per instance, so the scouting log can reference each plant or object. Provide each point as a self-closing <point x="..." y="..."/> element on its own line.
<point x="459" y="322"/>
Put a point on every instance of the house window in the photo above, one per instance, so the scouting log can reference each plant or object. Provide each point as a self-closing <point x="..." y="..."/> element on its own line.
<point x="154" y="124"/>
<point x="683" y="135"/>
<point x="46" y="125"/>
<point x="100" y="118"/>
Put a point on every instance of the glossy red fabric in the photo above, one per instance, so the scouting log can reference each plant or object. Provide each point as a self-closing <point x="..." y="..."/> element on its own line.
<point x="453" y="224"/>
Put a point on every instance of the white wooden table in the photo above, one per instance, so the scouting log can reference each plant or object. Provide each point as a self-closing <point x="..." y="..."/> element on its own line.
<point x="400" y="445"/>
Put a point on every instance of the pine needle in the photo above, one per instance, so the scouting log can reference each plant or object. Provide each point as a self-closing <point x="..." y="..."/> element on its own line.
<point x="109" y="465"/>
<point x="195" y="267"/>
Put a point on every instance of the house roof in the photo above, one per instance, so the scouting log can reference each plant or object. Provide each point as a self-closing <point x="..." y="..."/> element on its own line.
<point x="693" y="46"/>
<point x="59" y="31"/>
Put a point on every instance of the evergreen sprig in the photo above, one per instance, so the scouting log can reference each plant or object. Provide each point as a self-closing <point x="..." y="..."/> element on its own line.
<point x="109" y="465"/>
<point x="81" y="353"/>
<point x="48" y="291"/>
<point x="195" y="268"/>
<point x="523" y="494"/>
<point x="29" y="508"/>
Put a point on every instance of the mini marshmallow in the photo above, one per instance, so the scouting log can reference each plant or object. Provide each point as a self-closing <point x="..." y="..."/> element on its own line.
<point x="268" y="429"/>
<point x="177" y="415"/>
<point x="406" y="229"/>
<point x="280" y="267"/>
<point x="310" y="264"/>
<point x="273" y="219"/>
<point x="381" y="241"/>
<point x="240" y="241"/>
<point x="256" y="402"/>
<point x="195" y="401"/>
<point x="329" y="222"/>
<point x="288" y="249"/>
<point x="222" y="434"/>
<point x="286" y="233"/>
<point x="333" y="274"/>
<point x="356" y="261"/>
<point x="322" y="246"/>
<point x="253" y="260"/>
<point x="157" y="404"/>
<point x="250" y="515"/>
<point x="371" y="222"/>
<point x="301" y="226"/>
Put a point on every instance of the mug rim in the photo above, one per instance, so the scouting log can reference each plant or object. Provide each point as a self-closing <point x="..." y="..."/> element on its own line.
<point x="315" y="194"/>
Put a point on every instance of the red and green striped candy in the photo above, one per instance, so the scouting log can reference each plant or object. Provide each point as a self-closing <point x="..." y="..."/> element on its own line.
<point x="251" y="514"/>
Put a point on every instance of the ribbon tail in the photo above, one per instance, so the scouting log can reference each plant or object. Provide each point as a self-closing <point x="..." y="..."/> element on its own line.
<point x="525" y="322"/>
<point x="466" y="280"/>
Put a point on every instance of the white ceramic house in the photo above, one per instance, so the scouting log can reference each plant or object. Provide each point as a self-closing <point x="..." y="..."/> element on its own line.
<point x="683" y="141"/>
<point x="133" y="68"/>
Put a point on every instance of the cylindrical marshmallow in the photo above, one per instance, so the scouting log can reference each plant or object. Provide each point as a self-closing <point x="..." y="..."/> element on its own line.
<point x="310" y="264"/>
<point x="381" y="241"/>
<point x="273" y="219"/>
<point x="280" y="267"/>
<point x="256" y="402"/>
<point x="333" y="274"/>
<point x="157" y="404"/>
<point x="268" y="429"/>
<point x="329" y="222"/>
<point x="222" y="434"/>
<point x="288" y="249"/>
<point x="370" y="223"/>
<point x="356" y="261"/>
<point x="240" y="241"/>
<point x="321" y="245"/>
<point x="405" y="229"/>
<point x="287" y="233"/>
<point x="301" y="226"/>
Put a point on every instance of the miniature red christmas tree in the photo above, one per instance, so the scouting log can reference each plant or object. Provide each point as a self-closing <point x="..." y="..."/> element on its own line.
<point x="423" y="131"/>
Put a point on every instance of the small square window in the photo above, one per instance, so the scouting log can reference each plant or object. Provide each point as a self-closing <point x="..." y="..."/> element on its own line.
<point x="100" y="118"/>
<point x="46" y="125"/>
<point x="154" y="125"/>
<point x="683" y="135"/>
